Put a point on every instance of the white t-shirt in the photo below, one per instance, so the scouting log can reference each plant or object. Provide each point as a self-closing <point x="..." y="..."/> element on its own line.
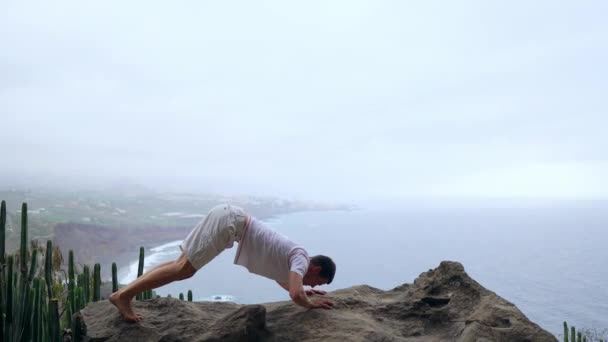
<point x="268" y="253"/>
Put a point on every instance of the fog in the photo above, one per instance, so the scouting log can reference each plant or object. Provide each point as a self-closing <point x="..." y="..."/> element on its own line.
<point x="338" y="100"/>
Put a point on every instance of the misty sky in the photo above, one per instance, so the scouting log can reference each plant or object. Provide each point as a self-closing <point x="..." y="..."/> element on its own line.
<point x="315" y="99"/>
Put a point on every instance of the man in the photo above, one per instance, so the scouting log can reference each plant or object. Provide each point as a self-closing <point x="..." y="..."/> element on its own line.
<point x="261" y="250"/>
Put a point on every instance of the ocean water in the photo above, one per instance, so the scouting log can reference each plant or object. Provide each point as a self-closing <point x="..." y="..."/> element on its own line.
<point x="548" y="258"/>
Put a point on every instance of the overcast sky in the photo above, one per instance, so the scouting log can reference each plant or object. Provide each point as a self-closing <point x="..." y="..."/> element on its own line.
<point x="315" y="99"/>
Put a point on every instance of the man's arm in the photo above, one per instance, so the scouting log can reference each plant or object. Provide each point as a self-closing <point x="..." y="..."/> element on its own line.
<point x="298" y="295"/>
<point x="308" y="292"/>
<point x="284" y="285"/>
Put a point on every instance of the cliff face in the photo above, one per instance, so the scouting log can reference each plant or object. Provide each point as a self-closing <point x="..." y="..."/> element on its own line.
<point x="443" y="304"/>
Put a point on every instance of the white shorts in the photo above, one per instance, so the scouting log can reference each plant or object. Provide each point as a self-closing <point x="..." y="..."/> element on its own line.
<point x="217" y="231"/>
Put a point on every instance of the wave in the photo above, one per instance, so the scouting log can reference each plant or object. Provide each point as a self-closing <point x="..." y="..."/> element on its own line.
<point x="159" y="254"/>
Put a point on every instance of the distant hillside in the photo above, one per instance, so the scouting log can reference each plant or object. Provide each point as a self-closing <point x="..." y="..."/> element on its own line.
<point x="129" y="209"/>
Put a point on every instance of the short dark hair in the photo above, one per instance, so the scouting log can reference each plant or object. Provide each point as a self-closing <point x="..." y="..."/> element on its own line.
<point x="328" y="267"/>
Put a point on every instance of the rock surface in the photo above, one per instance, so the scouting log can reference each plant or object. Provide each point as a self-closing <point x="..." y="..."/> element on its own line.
<point x="443" y="304"/>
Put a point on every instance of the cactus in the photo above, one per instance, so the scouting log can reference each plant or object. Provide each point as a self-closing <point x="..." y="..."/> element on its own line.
<point x="54" y="330"/>
<point x="79" y="295"/>
<point x="79" y="328"/>
<point x="25" y="315"/>
<point x="96" y="282"/>
<point x="2" y="231"/>
<point x="22" y="301"/>
<point x="24" y="242"/>
<point x="67" y="317"/>
<point x="189" y="295"/>
<point x="36" y="318"/>
<point x="8" y="319"/>
<point x="87" y="284"/>
<point x="2" y="245"/>
<point x="181" y="296"/>
<point x="140" y="271"/>
<point x="71" y="282"/>
<point x="114" y="277"/>
<point x="33" y="265"/>
<point x="573" y="334"/>
<point x="48" y="268"/>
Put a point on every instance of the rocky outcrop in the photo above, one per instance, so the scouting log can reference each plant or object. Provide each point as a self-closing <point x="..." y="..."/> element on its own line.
<point x="443" y="304"/>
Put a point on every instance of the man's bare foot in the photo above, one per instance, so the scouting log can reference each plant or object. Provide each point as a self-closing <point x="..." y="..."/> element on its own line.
<point x="124" y="307"/>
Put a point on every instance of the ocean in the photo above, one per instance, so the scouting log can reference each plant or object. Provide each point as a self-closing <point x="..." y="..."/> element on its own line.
<point x="547" y="257"/>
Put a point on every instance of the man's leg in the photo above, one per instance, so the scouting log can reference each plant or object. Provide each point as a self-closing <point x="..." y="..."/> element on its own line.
<point x="161" y="275"/>
<point x="164" y="264"/>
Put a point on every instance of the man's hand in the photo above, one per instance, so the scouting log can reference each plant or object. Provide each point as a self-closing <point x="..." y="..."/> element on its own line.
<point x="322" y="303"/>
<point x="313" y="291"/>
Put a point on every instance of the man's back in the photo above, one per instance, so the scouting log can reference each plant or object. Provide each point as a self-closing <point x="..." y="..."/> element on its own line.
<point x="268" y="253"/>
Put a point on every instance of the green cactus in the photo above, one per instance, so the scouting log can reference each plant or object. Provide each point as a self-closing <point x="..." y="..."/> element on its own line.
<point x="566" y="332"/>
<point x="8" y="319"/>
<point x="81" y="301"/>
<point x="2" y="231"/>
<point x="67" y="317"/>
<point x="48" y="268"/>
<point x="189" y="295"/>
<point x="33" y="265"/>
<point x="114" y="277"/>
<point x="2" y="263"/>
<point x="26" y="314"/>
<point x="24" y="241"/>
<point x="79" y="328"/>
<point x="181" y="296"/>
<point x="87" y="284"/>
<point x="53" y="322"/>
<point x="71" y="282"/>
<point x="36" y="317"/>
<point x="140" y="270"/>
<point x="573" y="334"/>
<point x="96" y="282"/>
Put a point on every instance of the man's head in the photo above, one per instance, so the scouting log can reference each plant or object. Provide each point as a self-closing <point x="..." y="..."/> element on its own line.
<point x="321" y="270"/>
